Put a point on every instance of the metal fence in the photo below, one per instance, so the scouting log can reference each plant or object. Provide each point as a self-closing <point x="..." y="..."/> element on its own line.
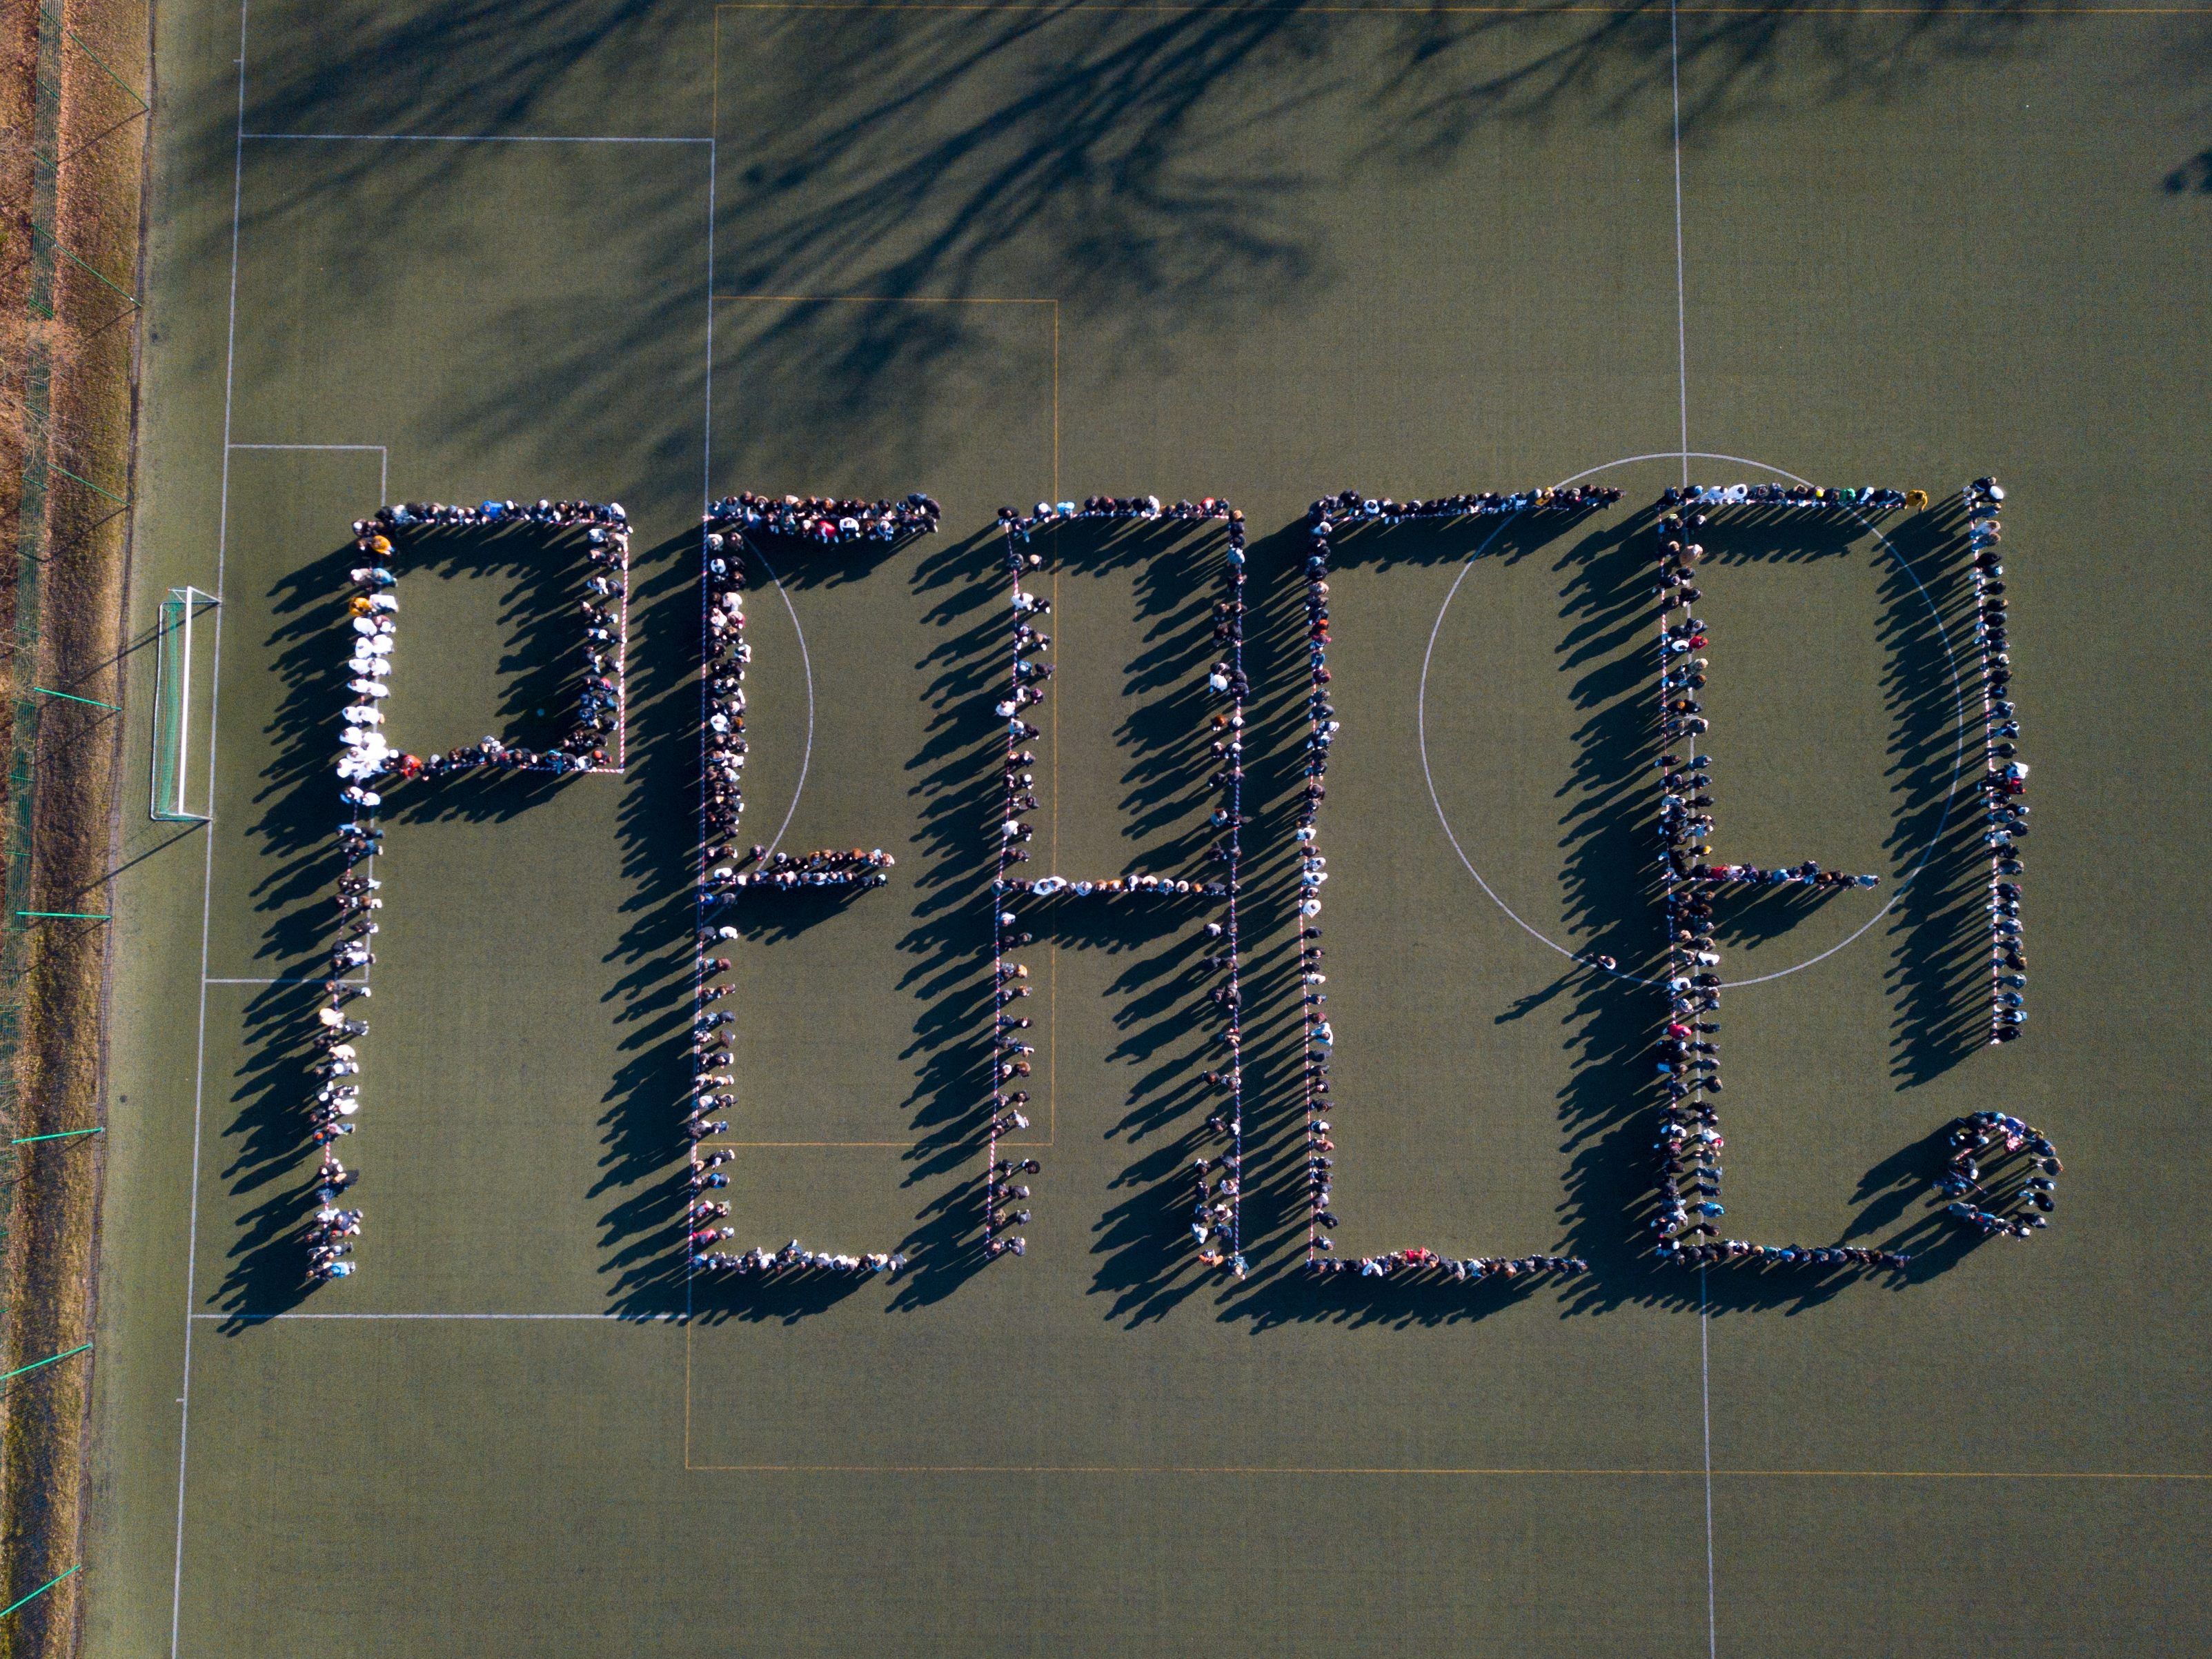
<point x="30" y="550"/>
<point x="46" y="468"/>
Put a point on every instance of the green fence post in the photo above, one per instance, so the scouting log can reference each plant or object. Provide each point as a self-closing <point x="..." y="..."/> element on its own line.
<point x="54" y="242"/>
<point x="144" y="107"/>
<point x="55" y="467"/>
<point x="35" y="1366"/>
<point x="36" y="1593"/>
<point x="47" y="690"/>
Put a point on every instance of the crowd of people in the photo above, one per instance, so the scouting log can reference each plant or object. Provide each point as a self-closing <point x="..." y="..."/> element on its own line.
<point x="329" y="1235"/>
<point x="443" y="515"/>
<point x="1349" y="508"/>
<point x="1742" y="1252"/>
<point x="1018" y="527"/>
<point x="793" y="1257"/>
<point x="2016" y="1200"/>
<point x="1318" y="1038"/>
<point x="1009" y="1044"/>
<point x="724" y="742"/>
<point x="1866" y="498"/>
<point x="364" y="756"/>
<point x="1217" y="1213"/>
<point x="830" y="867"/>
<point x="1216" y="1222"/>
<point x="823" y="520"/>
<point x="1688" y="1153"/>
<point x="368" y="760"/>
<point x="490" y="753"/>
<point x="603" y="613"/>
<point x="2004" y="779"/>
<point x="1118" y="886"/>
<point x="1807" y="874"/>
<point x="725" y="871"/>
<point x="1690" y="1143"/>
<point x="1424" y="1264"/>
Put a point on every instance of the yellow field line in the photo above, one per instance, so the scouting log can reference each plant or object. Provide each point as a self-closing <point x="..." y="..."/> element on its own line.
<point x="1423" y="11"/>
<point x="1124" y="1469"/>
<point x="1968" y="1474"/>
<point x="1232" y="1468"/>
<point x="1051" y="995"/>
<point x="892" y="299"/>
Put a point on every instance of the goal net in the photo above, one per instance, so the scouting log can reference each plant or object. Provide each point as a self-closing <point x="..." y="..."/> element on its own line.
<point x="172" y="706"/>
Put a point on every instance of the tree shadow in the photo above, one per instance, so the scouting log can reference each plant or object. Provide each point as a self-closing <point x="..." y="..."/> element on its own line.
<point x="1127" y="164"/>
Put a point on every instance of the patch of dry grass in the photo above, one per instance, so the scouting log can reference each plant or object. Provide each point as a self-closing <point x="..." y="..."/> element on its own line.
<point x="55" y="973"/>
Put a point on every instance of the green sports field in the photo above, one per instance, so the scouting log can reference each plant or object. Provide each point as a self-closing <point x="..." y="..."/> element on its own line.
<point x="583" y="248"/>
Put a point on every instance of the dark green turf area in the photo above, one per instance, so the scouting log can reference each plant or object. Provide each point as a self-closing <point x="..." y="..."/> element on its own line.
<point x="1008" y="253"/>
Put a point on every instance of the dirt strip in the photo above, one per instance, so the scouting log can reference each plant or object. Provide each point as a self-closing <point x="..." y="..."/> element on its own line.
<point x="67" y="562"/>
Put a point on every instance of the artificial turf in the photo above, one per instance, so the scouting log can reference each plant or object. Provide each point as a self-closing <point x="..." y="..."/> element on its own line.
<point x="1012" y="253"/>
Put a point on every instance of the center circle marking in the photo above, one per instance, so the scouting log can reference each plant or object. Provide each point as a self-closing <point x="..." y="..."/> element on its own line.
<point x="1951" y="661"/>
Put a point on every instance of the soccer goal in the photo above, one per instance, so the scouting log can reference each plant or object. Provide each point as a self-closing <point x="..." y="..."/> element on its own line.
<point x="172" y="704"/>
